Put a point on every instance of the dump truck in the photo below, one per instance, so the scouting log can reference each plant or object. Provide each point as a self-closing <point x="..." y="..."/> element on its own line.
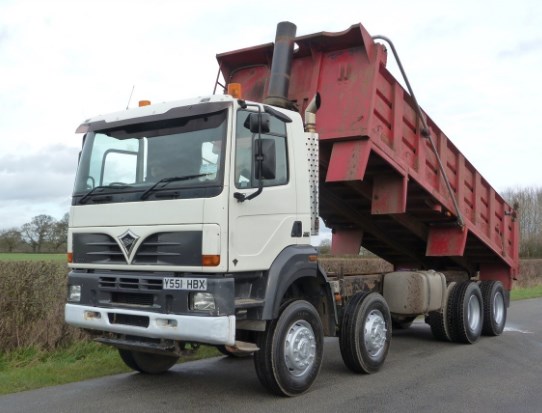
<point x="191" y="221"/>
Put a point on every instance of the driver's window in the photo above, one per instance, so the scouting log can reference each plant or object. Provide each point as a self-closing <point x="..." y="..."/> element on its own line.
<point x="244" y="153"/>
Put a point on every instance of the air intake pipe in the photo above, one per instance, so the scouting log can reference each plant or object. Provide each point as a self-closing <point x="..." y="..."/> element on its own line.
<point x="279" y="82"/>
<point x="310" y="113"/>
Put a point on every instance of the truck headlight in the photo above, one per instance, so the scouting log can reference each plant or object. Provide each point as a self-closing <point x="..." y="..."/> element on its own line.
<point x="203" y="302"/>
<point x="74" y="293"/>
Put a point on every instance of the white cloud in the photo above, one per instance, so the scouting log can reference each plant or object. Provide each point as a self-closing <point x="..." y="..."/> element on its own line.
<point x="474" y="67"/>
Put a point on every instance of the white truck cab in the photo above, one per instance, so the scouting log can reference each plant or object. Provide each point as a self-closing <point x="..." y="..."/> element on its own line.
<point x="173" y="202"/>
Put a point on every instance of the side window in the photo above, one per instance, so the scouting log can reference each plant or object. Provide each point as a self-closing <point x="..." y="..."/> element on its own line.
<point x="244" y="153"/>
<point x="119" y="167"/>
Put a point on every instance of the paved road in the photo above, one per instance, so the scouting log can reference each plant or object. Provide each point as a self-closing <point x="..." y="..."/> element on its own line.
<point x="498" y="374"/>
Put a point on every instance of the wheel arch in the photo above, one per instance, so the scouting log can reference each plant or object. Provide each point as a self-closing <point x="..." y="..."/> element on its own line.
<point x="295" y="274"/>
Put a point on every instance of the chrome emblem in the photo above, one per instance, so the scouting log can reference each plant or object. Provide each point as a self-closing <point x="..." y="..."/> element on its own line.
<point x="127" y="242"/>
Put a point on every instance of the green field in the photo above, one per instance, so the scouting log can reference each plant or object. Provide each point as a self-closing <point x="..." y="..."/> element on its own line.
<point x="28" y="369"/>
<point x="22" y="256"/>
<point x="519" y="293"/>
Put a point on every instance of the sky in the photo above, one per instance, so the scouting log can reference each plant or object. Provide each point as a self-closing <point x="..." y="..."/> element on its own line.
<point x="475" y="66"/>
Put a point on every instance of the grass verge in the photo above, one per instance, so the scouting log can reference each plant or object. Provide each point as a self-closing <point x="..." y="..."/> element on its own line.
<point x="28" y="369"/>
<point x="519" y="293"/>
<point x="21" y="256"/>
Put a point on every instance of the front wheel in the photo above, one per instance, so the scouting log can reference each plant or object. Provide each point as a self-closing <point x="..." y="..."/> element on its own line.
<point x="148" y="363"/>
<point x="365" y="333"/>
<point x="291" y="349"/>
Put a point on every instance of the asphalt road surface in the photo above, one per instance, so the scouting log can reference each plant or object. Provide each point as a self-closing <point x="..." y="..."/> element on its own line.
<point x="497" y="374"/>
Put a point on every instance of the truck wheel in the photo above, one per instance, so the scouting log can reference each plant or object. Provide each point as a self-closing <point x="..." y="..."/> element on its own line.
<point x="128" y="359"/>
<point x="494" y="308"/>
<point x="365" y="333"/>
<point x="438" y="320"/>
<point x="466" y="313"/>
<point x="291" y="350"/>
<point x="147" y="362"/>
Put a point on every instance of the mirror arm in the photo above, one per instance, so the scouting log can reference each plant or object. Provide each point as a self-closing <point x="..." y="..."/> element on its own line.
<point x="242" y="197"/>
<point x="259" y="156"/>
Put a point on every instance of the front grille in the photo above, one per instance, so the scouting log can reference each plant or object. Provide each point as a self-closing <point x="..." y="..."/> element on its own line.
<point x="96" y="249"/>
<point x="129" y="319"/>
<point x="164" y="248"/>
<point x="132" y="299"/>
<point x="170" y="248"/>
<point x="132" y="283"/>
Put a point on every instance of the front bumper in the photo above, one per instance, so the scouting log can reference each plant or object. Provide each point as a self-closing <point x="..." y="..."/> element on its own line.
<point x="201" y="329"/>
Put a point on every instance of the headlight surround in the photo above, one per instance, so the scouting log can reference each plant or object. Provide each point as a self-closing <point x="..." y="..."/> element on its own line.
<point x="74" y="293"/>
<point x="200" y="301"/>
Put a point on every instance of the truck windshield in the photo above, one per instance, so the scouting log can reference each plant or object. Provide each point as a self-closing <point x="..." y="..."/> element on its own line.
<point x="121" y="164"/>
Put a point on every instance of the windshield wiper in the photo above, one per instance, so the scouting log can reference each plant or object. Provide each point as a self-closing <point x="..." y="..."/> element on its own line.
<point x="166" y="181"/>
<point x="90" y="193"/>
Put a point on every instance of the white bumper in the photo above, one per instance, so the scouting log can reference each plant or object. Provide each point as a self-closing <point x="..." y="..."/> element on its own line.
<point x="203" y="329"/>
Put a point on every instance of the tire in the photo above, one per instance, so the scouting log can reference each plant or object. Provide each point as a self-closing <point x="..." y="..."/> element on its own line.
<point x="495" y="310"/>
<point x="438" y="320"/>
<point x="291" y="349"/>
<point x="466" y="313"/>
<point x="148" y="363"/>
<point x="128" y="359"/>
<point x="365" y="335"/>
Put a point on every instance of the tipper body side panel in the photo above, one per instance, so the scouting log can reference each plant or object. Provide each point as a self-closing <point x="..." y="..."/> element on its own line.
<point x="380" y="184"/>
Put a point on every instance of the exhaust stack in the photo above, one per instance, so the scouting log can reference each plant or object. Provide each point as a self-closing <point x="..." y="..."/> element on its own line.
<point x="279" y="82"/>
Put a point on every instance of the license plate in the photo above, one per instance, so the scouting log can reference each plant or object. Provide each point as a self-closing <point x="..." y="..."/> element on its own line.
<point x="190" y="284"/>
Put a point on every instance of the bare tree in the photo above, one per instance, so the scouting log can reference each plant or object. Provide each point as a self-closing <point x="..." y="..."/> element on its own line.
<point x="10" y="239"/>
<point x="59" y="232"/>
<point x="37" y="231"/>
<point x="529" y="203"/>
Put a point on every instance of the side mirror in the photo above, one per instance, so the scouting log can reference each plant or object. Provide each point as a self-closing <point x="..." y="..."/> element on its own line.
<point x="259" y="122"/>
<point x="266" y="162"/>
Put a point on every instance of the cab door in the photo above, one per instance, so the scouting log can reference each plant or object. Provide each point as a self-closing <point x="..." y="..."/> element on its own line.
<point x="261" y="221"/>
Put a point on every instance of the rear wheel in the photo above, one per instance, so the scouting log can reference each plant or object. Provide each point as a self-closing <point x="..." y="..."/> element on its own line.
<point x="365" y="333"/>
<point x="494" y="308"/>
<point x="148" y="363"/>
<point x="291" y="349"/>
<point x="466" y="313"/>
<point x="438" y="320"/>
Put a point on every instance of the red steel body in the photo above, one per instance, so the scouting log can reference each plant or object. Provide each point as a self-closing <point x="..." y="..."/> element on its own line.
<point x="381" y="186"/>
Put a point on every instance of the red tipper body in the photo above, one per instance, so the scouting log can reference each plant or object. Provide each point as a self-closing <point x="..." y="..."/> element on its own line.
<point x="380" y="183"/>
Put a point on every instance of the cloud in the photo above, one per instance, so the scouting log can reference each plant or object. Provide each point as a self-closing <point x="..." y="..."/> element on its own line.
<point x="34" y="183"/>
<point x="42" y="176"/>
<point x="522" y="48"/>
<point x="474" y="72"/>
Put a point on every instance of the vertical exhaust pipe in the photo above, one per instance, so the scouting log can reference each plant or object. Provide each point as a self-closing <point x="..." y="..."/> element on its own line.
<point x="279" y="82"/>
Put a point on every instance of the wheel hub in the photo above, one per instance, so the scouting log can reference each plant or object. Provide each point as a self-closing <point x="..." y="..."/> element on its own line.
<point x="498" y="308"/>
<point x="375" y="333"/>
<point x="299" y="348"/>
<point x="474" y="313"/>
